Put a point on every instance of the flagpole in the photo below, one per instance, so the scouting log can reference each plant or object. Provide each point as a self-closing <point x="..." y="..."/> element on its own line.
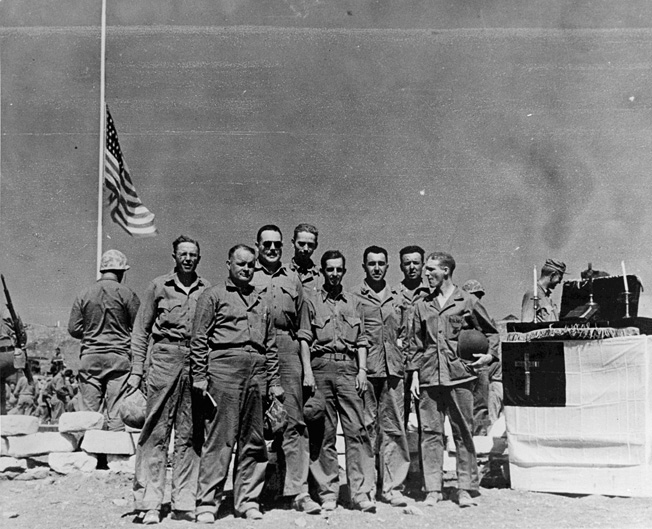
<point x="100" y="201"/>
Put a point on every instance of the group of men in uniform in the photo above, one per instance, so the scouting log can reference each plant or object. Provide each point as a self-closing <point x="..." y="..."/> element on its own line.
<point x="213" y="357"/>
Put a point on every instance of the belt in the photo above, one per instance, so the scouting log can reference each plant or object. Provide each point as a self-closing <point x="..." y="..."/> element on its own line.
<point x="338" y="357"/>
<point x="180" y="343"/>
<point x="6" y="348"/>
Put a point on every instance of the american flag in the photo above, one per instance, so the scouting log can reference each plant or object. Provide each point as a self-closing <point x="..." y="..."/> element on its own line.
<point x="127" y="210"/>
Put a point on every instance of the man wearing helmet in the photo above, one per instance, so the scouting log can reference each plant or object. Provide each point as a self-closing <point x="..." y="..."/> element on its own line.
<point x="102" y="317"/>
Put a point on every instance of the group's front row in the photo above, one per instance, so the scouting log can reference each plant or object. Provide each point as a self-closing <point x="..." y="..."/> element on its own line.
<point x="271" y="331"/>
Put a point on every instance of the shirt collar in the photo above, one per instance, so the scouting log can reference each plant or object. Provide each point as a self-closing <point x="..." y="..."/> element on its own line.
<point x="312" y="269"/>
<point x="260" y="268"/>
<point x="232" y="287"/>
<point x="325" y="294"/>
<point x="172" y="278"/>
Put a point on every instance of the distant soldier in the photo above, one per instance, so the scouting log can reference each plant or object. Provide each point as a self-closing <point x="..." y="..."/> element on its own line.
<point x="283" y="295"/>
<point x="166" y="315"/>
<point x="102" y="317"/>
<point x="443" y="380"/>
<point x="384" y="398"/>
<point x="25" y="395"/>
<point x="552" y="273"/>
<point x="234" y="363"/>
<point x="332" y="333"/>
<point x="58" y="390"/>
<point x="305" y="242"/>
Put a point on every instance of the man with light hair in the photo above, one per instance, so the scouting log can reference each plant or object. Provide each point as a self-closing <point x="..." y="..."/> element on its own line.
<point x="443" y="378"/>
<point x="102" y="317"/>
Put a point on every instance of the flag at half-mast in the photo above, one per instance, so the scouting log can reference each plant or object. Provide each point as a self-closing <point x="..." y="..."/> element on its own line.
<point x="127" y="210"/>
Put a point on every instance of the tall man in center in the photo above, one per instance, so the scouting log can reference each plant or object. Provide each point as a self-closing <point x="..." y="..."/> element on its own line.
<point x="165" y="316"/>
<point x="384" y="400"/>
<point x="283" y="295"/>
<point x="234" y="364"/>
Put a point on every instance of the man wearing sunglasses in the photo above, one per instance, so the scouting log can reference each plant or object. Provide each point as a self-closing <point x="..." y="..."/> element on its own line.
<point x="283" y="295"/>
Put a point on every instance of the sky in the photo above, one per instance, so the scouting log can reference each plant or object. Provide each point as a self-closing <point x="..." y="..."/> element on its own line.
<point x="500" y="132"/>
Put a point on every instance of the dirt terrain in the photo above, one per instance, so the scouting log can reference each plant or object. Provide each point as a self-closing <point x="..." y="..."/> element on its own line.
<point x="103" y="499"/>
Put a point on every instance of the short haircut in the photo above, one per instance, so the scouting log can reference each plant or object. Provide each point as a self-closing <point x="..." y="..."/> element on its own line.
<point x="184" y="238"/>
<point x="307" y="228"/>
<point x="411" y="249"/>
<point x="373" y="249"/>
<point x="241" y="247"/>
<point x="445" y="259"/>
<point x="332" y="254"/>
<point x="268" y="227"/>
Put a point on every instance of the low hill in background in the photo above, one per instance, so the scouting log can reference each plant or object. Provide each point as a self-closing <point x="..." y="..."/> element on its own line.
<point x="42" y="340"/>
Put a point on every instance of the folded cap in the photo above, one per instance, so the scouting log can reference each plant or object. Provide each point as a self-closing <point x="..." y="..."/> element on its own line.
<point x="555" y="265"/>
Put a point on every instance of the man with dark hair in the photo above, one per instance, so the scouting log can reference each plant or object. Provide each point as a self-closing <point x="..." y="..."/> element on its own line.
<point x="234" y="364"/>
<point x="409" y="290"/>
<point x="552" y="273"/>
<point x="332" y="334"/>
<point x="305" y="243"/>
<point x="165" y="317"/>
<point x="102" y="316"/>
<point x="443" y="379"/>
<point x="384" y="398"/>
<point x="282" y="293"/>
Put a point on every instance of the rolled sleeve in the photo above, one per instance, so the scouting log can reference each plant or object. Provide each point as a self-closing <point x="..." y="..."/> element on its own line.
<point x="305" y="322"/>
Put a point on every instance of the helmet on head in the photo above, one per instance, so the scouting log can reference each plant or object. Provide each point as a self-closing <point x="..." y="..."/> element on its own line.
<point x="113" y="260"/>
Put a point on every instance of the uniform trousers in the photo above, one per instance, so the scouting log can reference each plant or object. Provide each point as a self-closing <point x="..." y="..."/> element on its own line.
<point x="295" y="457"/>
<point x="384" y="401"/>
<point x="237" y="383"/>
<point x="169" y="404"/>
<point x="335" y="379"/>
<point x="103" y="379"/>
<point x="435" y="403"/>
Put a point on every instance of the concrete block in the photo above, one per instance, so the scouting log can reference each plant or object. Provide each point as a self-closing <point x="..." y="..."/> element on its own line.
<point x="12" y="464"/>
<point x="80" y="421"/>
<point x="122" y="464"/>
<point x="18" y="425"/>
<point x="105" y="442"/>
<point x="483" y="444"/>
<point x="66" y="463"/>
<point x="4" y="446"/>
<point x="37" y="444"/>
<point x="33" y="473"/>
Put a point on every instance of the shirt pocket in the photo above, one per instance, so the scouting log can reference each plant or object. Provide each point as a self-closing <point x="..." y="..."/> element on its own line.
<point x="323" y="330"/>
<point x="289" y="305"/>
<point x="257" y="322"/>
<point x="351" y="329"/>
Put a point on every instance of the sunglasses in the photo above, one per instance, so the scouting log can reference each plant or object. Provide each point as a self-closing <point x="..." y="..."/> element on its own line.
<point x="272" y="244"/>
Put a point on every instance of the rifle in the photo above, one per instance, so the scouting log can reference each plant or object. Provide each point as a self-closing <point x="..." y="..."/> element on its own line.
<point x="19" y="331"/>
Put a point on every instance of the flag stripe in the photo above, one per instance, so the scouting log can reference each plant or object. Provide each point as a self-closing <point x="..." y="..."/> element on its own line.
<point x="127" y="210"/>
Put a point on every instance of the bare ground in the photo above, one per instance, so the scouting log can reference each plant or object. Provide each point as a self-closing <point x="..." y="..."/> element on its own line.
<point x="103" y="499"/>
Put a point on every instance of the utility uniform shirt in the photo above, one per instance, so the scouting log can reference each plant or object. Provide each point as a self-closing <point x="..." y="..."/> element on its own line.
<point x="333" y="325"/>
<point x="102" y="317"/>
<point x="282" y="294"/>
<point x="166" y="313"/>
<point x="7" y="334"/>
<point x="547" y="308"/>
<point x="310" y="278"/>
<point x="227" y="318"/>
<point x="436" y="331"/>
<point x="407" y="299"/>
<point x="383" y="321"/>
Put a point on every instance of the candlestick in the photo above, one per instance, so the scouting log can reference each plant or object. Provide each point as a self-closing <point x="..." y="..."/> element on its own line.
<point x="622" y="263"/>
